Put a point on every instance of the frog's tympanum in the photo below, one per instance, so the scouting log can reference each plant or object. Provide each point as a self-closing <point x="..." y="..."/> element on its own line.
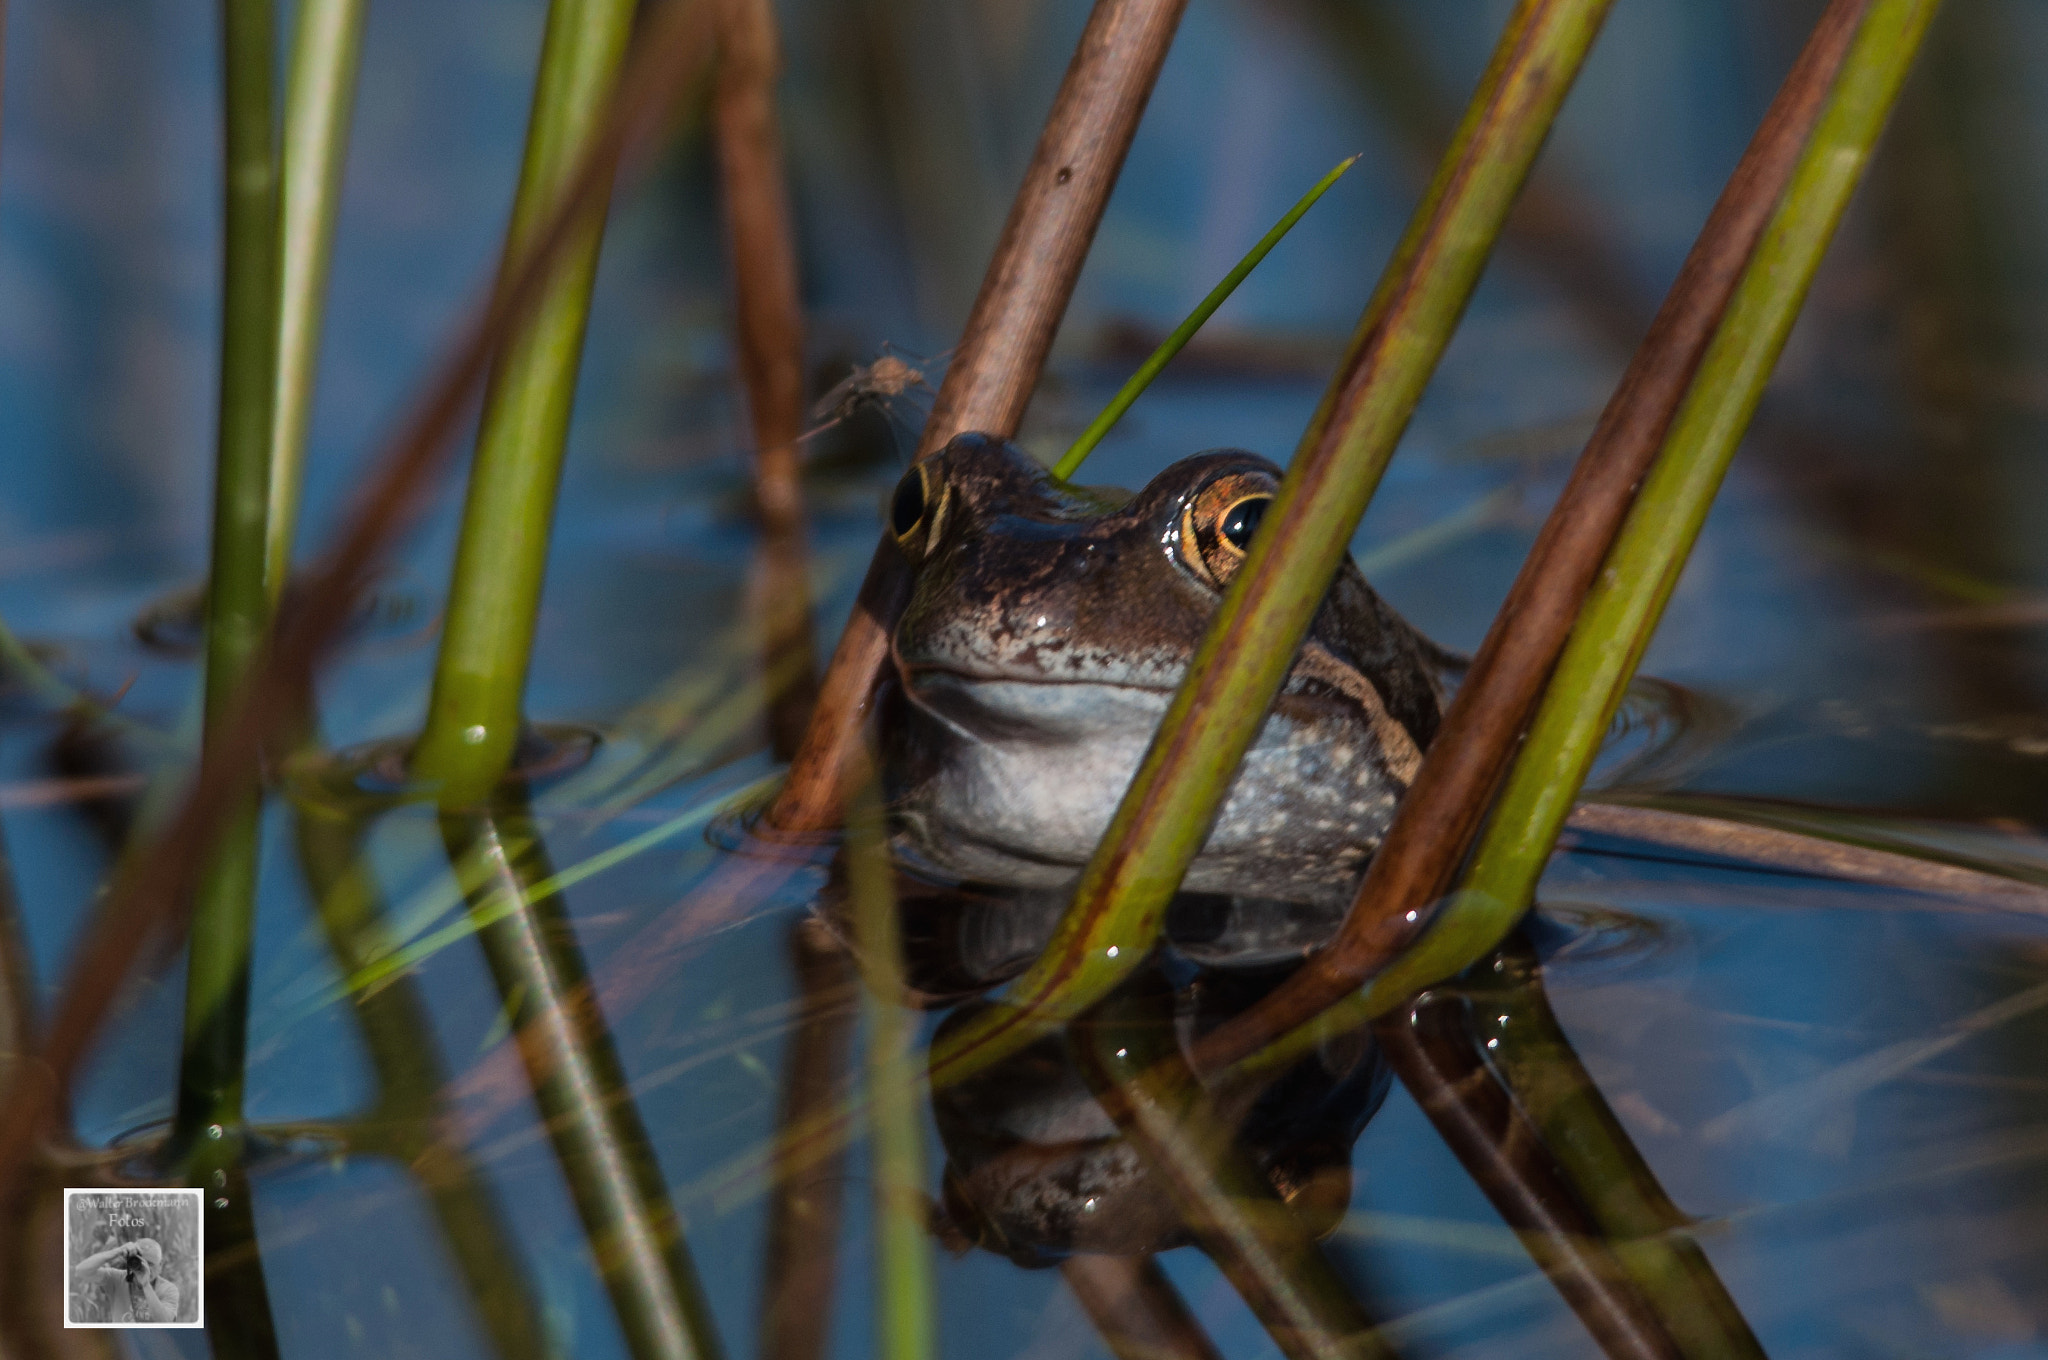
<point x="1047" y="629"/>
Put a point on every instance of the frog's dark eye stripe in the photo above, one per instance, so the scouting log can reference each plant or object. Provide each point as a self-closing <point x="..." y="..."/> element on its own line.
<point x="918" y="509"/>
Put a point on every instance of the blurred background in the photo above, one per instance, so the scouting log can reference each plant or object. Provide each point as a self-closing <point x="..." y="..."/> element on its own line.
<point x="1862" y="623"/>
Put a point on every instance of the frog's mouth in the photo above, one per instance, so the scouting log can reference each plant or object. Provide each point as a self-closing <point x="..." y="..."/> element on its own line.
<point x="1010" y="708"/>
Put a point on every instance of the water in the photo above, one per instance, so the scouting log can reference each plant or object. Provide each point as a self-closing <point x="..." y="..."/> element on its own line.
<point x="1837" y="1081"/>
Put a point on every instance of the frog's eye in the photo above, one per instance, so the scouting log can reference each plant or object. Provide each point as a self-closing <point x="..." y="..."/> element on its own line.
<point x="1241" y="521"/>
<point x="917" y="509"/>
<point x="906" y="510"/>
<point x="1218" y="522"/>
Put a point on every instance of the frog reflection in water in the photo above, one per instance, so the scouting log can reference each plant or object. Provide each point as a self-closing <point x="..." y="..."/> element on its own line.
<point x="1047" y="630"/>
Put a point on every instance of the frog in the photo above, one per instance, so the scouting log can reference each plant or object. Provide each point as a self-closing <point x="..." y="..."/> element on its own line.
<point x="1046" y="630"/>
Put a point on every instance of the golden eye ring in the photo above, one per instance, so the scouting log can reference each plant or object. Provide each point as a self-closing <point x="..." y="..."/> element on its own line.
<point x="1217" y="524"/>
<point x="1240" y="520"/>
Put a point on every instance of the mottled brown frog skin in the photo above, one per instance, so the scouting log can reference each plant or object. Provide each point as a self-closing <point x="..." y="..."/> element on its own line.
<point x="1047" y="629"/>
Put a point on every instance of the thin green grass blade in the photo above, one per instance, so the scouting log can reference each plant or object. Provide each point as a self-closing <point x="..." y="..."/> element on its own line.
<point x="1070" y="461"/>
<point x="1628" y="597"/>
<point x="474" y="713"/>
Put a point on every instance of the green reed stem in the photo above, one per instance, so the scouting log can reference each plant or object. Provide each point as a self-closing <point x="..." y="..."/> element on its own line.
<point x="1070" y="461"/>
<point x="473" y="716"/>
<point x="1167" y="812"/>
<point x="906" y="1308"/>
<point x="319" y="99"/>
<point x="238" y="608"/>
<point x="1628" y="597"/>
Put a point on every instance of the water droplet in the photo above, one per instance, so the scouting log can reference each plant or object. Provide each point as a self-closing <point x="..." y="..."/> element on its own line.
<point x="220" y="1180"/>
<point x="215" y="1131"/>
<point x="1503" y="1019"/>
<point x="1088" y="1204"/>
<point x="220" y="1203"/>
<point x="1493" y="1043"/>
<point x="474" y="734"/>
<point x="1111" y="951"/>
<point x="1411" y="916"/>
<point x="1123" y="1053"/>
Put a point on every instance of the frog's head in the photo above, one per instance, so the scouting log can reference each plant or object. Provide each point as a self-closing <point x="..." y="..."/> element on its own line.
<point x="1047" y="628"/>
<point x="1026" y="580"/>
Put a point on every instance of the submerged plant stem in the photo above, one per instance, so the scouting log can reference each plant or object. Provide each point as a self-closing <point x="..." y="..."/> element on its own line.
<point x="607" y="1158"/>
<point x="905" y="1309"/>
<point x="1136" y="1310"/>
<point x="800" y="1271"/>
<point x="319" y="99"/>
<point x="1127" y="1050"/>
<point x="1438" y="1059"/>
<point x="412" y="1084"/>
<point x="473" y="716"/>
<point x="1595" y="1155"/>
